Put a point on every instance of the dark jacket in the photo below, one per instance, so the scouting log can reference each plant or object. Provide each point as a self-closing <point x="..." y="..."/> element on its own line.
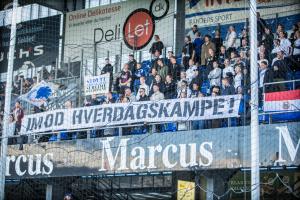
<point x="283" y="69"/>
<point x="170" y="90"/>
<point x="227" y="90"/>
<point x="144" y="98"/>
<point x="268" y="78"/>
<point x="132" y="65"/>
<point x="157" y="46"/>
<point x="175" y="71"/>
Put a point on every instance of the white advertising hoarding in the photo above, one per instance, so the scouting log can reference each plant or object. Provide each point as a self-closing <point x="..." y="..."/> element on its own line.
<point x="206" y="13"/>
<point x="132" y="22"/>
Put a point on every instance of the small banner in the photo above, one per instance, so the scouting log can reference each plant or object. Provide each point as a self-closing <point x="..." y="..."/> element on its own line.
<point x="282" y="101"/>
<point x="185" y="190"/>
<point x="135" y="112"/>
<point x="96" y="84"/>
<point x="39" y="94"/>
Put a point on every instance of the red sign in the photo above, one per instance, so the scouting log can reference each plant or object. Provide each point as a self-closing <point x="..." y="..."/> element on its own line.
<point x="138" y="29"/>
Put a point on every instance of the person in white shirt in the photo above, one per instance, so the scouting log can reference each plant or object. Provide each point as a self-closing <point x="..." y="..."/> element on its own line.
<point x="228" y="69"/>
<point x="190" y="71"/>
<point x="238" y="78"/>
<point x="214" y="75"/>
<point x="231" y="39"/>
<point x="192" y="33"/>
<point x="144" y="86"/>
<point x="285" y="44"/>
<point x="276" y="47"/>
<point x="157" y="95"/>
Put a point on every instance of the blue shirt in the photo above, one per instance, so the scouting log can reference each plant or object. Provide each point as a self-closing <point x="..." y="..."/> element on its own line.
<point x="198" y="42"/>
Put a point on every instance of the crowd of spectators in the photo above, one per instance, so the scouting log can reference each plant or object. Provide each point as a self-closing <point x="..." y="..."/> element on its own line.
<point x="209" y="65"/>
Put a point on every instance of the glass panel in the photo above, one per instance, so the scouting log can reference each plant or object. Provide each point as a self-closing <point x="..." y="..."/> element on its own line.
<point x="53" y="12"/>
<point x="44" y="11"/>
<point x="104" y="2"/>
<point x="94" y="3"/>
<point x="158" y="181"/>
<point x="26" y="13"/>
<point x="35" y="11"/>
<point x="87" y="3"/>
<point x="148" y="181"/>
<point x="7" y="17"/>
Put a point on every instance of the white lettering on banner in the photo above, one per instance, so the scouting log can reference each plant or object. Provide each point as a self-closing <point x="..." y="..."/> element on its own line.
<point x="18" y="165"/>
<point x="113" y="159"/>
<point x="37" y="164"/>
<point x="285" y="134"/>
<point x="138" y="112"/>
<point x="205" y="153"/>
<point x="150" y="157"/>
<point x="165" y="155"/>
<point x="138" y="162"/>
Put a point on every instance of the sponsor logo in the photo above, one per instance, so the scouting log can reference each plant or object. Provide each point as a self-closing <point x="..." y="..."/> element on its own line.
<point x="138" y="29"/>
<point x="159" y="8"/>
<point x="32" y="165"/>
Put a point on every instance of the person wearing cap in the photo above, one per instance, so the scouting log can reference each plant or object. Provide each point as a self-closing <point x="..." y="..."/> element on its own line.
<point x="108" y="68"/>
<point x="158" y="45"/>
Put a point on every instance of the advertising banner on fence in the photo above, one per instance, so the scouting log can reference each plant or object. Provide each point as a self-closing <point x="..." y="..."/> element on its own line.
<point x="134" y="112"/>
<point x="207" y="149"/>
<point x="133" y="23"/>
<point x="37" y="43"/>
<point x="207" y="13"/>
<point x="96" y="84"/>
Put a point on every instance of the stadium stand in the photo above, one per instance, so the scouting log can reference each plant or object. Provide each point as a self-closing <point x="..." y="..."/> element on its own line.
<point x="223" y="72"/>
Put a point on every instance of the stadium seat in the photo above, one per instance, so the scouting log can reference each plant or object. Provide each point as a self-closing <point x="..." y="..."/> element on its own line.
<point x="53" y="138"/>
<point x="170" y="127"/>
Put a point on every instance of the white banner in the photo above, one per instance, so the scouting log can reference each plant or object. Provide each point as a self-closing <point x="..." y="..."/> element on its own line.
<point x="136" y="112"/>
<point x="96" y="84"/>
<point x="207" y="13"/>
<point x="109" y="26"/>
